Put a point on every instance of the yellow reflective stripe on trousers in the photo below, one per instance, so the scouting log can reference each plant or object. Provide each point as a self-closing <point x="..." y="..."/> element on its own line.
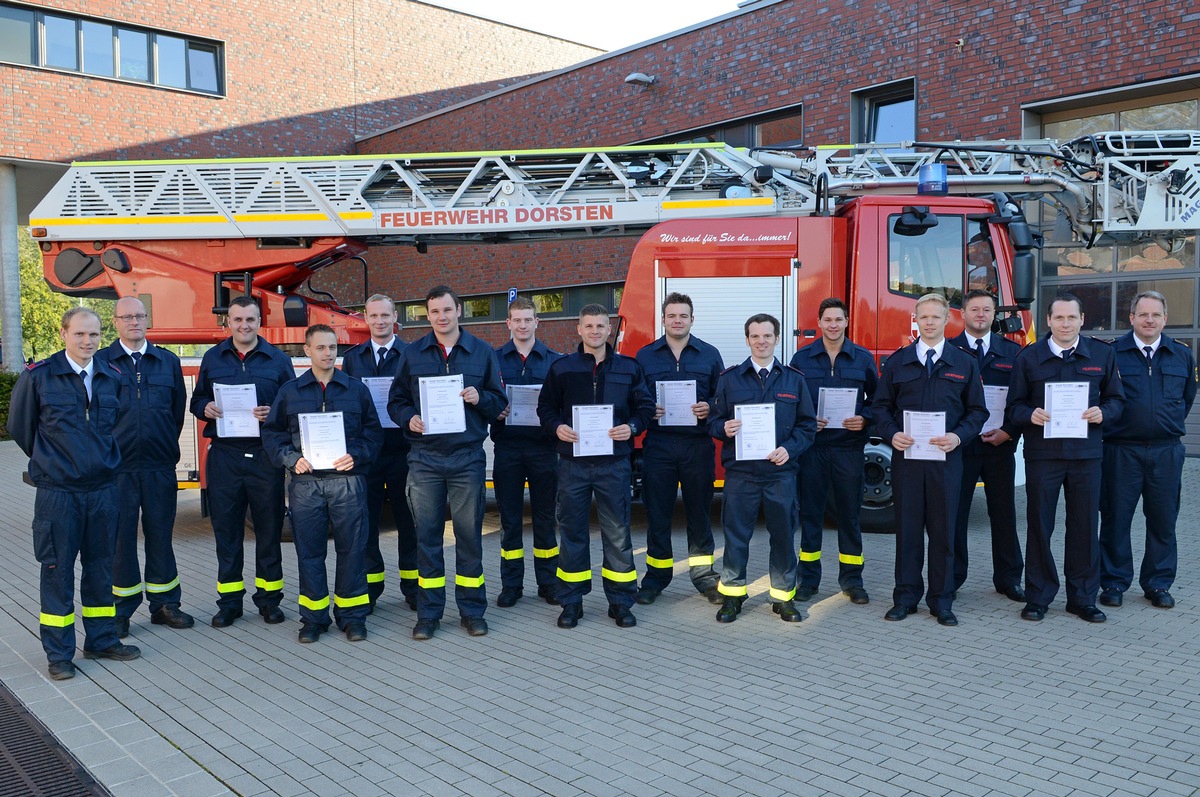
<point x="432" y="583"/>
<point x="701" y="561"/>
<point x="57" y="620"/>
<point x="314" y="605"/>
<point x="613" y="575"/>
<point x="157" y="588"/>
<point x="665" y="564"/>
<point x="848" y="559"/>
<point x="375" y="578"/>
<point x="582" y="575"/>
<point x="732" y="592"/>
<point x="99" y="611"/>
<point x="409" y="575"/>
<point x="810" y="556"/>
<point x="346" y="603"/>
<point x="515" y="553"/>
<point x="125" y="592"/>
<point x="545" y="553"/>
<point x="269" y="586"/>
<point x="231" y="586"/>
<point x="468" y="581"/>
<point x="781" y="595"/>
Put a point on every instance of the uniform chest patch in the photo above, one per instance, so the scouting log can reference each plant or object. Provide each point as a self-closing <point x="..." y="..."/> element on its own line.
<point x="786" y="396"/>
<point x="957" y="377"/>
<point x="1092" y="369"/>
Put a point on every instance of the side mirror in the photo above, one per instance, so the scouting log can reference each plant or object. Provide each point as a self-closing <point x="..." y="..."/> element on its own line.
<point x="914" y="221"/>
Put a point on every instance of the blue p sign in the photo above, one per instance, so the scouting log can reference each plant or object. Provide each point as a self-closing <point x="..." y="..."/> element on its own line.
<point x="512" y="294"/>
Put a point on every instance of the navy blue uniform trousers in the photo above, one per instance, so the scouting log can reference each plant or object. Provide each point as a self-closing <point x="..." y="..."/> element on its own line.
<point x="839" y="470"/>
<point x="238" y="479"/>
<point x="998" y="468"/>
<point x="671" y="463"/>
<point x="1151" y="473"/>
<point x="316" y="505"/>
<point x="1045" y="479"/>
<point x="926" y="501"/>
<point x="387" y="480"/>
<point x="515" y="464"/>
<point x="608" y="479"/>
<point x="151" y="497"/>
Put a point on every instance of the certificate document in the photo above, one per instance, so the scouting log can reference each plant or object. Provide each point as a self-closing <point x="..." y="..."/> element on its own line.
<point x="236" y="403"/>
<point x="756" y="438"/>
<point x="921" y="427"/>
<point x="995" y="398"/>
<point x="592" y="422"/>
<point x="522" y="405"/>
<point x="443" y="410"/>
<point x="676" y="399"/>
<point x="836" y="404"/>
<point x="380" y="386"/>
<point x="1066" y="403"/>
<point x="322" y="438"/>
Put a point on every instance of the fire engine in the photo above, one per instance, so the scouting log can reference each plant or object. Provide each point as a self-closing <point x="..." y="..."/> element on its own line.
<point x="741" y="231"/>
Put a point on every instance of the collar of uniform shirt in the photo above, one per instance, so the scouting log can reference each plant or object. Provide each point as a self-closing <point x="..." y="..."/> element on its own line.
<point x="1153" y="346"/>
<point x="1058" y="350"/>
<point x="130" y="352"/>
<point x="987" y="341"/>
<point x="923" y="347"/>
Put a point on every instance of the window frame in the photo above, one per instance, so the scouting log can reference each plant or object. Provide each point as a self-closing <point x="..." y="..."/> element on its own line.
<point x="866" y="102"/>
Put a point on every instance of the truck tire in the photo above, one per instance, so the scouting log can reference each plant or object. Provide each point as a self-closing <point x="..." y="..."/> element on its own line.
<point x="878" y="513"/>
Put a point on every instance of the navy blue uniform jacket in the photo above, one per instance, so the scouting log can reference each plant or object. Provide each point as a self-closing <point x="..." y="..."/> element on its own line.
<point x="1158" y="397"/>
<point x="517" y="370"/>
<point x="954" y="389"/>
<point x="265" y="367"/>
<point x="795" y="421"/>
<point x="153" y="406"/>
<point x="996" y="371"/>
<point x="854" y="367"/>
<point x="698" y="360"/>
<point x="359" y="362"/>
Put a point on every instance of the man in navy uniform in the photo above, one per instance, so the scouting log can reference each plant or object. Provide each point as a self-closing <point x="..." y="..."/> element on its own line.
<point x="835" y="460"/>
<point x="379" y="358"/>
<point x="991" y="455"/>
<point x="524" y="453"/>
<point x="1143" y="454"/>
<point x="324" y="495"/>
<point x="1064" y="464"/>
<point x="448" y="466"/>
<point x="63" y="414"/>
<point x="928" y="375"/>
<point x="768" y="483"/>
<point x="153" y="406"/>
<point x="595" y="375"/>
<point x="239" y="472"/>
<point x="679" y="457"/>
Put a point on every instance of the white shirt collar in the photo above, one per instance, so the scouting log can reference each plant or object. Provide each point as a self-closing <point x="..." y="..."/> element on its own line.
<point x="987" y="340"/>
<point x="388" y="346"/>
<point x="923" y="347"/>
<point x="130" y="351"/>
<point x="1153" y="346"/>
<point x="1058" y="350"/>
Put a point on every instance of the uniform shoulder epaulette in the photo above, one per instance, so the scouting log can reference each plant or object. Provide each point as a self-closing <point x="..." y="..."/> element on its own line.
<point x="38" y="364"/>
<point x="794" y="369"/>
<point x="730" y="368"/>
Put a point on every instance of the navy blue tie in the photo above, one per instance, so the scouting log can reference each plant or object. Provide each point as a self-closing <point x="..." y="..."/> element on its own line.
<point x="929" y="361"/>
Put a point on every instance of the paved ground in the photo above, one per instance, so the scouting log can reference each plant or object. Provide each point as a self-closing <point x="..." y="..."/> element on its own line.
<point x="843" y="703"/>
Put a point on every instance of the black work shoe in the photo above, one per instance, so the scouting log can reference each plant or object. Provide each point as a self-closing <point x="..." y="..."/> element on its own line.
<point x="945" y="617"/>
<point x="1089" y="613"/>
<point x="310" y="633"/>
<point x="476" y="626"/>
<point x="356" y="632"/>
<point x="622" y="616"/>
<point x="1161" y="599"/>
<point x="225" y="617"/>
<point x="1014" y="592"/>
<point x="549" y="594"/>
<point x="122" y="627"/>
<point x="899" y="612"/>
<point x="424" y="629"/>
<point x="60" y="670"/>
<point x="172" y="617"/>
<point x="805" y="592"/>
<point x="1033" y="612"/>
<point x="272" y="615"/>
<point x="647" y="595"/>
<point x="731" y="607"/>
<point x="714" y="596"/>
<point x="117" y="652"/>
<point x="857" y="595"/>
<point x="787" y="611"/>
<point x="509" y="597"/>
<point x="1111" y="597"/>
<point x="571" y="612"/>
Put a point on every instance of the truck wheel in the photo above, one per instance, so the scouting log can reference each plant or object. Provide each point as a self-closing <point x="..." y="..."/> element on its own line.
<point x="878" y="513"/>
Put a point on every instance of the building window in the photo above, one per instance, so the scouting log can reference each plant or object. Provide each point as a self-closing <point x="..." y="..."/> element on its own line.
<point x="549" y="303"/>
<point x="885" y="114"/>
<point x="783" y="129"/>
<point x="111" y="50"/>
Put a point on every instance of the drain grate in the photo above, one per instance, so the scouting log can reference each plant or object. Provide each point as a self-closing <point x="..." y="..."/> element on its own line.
<point x="32" y="762"/>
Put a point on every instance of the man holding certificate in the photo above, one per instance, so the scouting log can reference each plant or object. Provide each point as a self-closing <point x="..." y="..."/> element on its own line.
<point x="1063" y="388"/>
<point x="447" y="389"/>
<point x="930" y="400"/>
<point x="594" y="402"/>
<point x="323" y="427"/>
<point x="678" y="454"/>
<point x="991" y="455"/>
<point x="375" y="362"/>
<point x="238" y="381"/>
<point x="763" y="414"/>
<point x="841" y="379"/>
<point x="524" y="453"/>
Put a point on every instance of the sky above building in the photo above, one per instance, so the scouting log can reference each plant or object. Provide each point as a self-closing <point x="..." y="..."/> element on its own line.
<point x="609" y="24"/>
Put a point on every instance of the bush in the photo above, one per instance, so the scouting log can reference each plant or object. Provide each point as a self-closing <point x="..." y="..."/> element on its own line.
<point x="7" y="381"/>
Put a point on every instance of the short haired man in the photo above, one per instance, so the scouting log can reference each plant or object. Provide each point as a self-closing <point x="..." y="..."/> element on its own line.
<point x="991" y="455"/>
<point x="1064" y="464"/>
<point x="378" y="358"/>
<point x="768" y="484"/>
<point x="595" y="374"/>
<point x="324" y="495"/>
<point x="524" y="453"/>
<point x="240" y="474"/>
<point x="448" y="466"/>
<point x="153" y="406"/>
<point x="63" y="413"/>
<point x="1143" y="454"/>
<point x="679" y="457"/>
<point x="835" y="460"/>
<point x="928" y="375"/>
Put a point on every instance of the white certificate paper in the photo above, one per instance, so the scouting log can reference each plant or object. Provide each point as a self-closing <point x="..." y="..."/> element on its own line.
<point x="922" y="427"/>
<point x="236" y="403"/>
<point x="380" y="386"/>
<point x="836" y="404"/>
<point x="443" y="410"/>
<point x="322" y="438"/>
<point x="995" y="397"/>
<point x="756" y="438"/>
<point x="676" y="399"/>
<point x="1066" y="402"/>
<point x="522" y="405"/>
<point x="592" y="422"/>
